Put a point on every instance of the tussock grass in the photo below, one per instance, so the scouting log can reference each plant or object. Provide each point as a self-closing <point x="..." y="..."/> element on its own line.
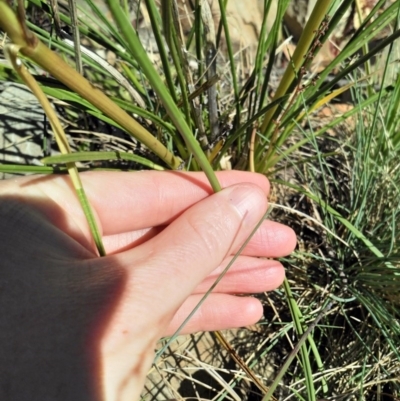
<point x="336" y="174"/>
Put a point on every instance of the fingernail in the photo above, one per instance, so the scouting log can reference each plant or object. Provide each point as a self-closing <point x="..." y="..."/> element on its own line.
<point x="245" y="199"/>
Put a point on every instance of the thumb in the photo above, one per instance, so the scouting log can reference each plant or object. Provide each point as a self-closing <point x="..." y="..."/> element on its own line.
<point x="193" y="245"/>
<point x="163" y="272"/>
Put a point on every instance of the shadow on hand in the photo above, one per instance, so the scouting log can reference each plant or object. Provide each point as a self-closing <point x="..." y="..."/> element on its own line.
<point x="56" y="298"/>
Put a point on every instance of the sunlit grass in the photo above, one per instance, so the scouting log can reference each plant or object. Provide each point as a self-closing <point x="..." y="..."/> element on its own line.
<point x="337" y="181"/>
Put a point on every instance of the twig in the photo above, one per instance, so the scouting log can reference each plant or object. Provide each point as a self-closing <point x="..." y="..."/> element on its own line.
<point x="75" y="33"/>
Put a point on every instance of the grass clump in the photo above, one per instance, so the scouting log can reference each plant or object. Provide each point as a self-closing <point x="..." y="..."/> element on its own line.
<point x="335" y="170"/>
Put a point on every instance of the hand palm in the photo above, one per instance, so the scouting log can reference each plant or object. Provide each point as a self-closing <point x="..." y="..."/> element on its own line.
<point x="104" y="315"/>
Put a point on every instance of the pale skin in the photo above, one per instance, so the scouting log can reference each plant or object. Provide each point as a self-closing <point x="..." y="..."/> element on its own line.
<point x="78" y="327"/>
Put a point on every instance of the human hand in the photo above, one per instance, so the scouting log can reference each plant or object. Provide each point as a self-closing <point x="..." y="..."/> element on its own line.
<point x="78" y="327"/>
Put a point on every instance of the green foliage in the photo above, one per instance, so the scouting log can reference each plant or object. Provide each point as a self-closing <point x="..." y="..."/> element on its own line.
<point x="343" y="175"/>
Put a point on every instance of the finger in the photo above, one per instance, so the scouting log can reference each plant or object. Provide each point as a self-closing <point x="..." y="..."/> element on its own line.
<point x="246" y="275"/>
<point x="204" y="235"/>
<point x="271" y="240"/>
<point x="125" y="241"/>
<point x="218" y="312"/>
<point x="130" y="201"/>
<point x="165" y="270"/>
<point x="149" y="198"/>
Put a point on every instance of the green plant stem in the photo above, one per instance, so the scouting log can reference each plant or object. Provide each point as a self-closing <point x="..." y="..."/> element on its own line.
<point x="155" y="21"/>
<point x="270" y="44"/>
<point x="298" y="321"/>
<point x="91" y="156"/>
<point x="224" y="21"/>
<point x="171" y="36"/>
<point x="293" y="68"/>
<point x="62" y="142"/>
<point x="152" y="75"/>
<point x="76" y="35"/>
<point x="293" y="354"/>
